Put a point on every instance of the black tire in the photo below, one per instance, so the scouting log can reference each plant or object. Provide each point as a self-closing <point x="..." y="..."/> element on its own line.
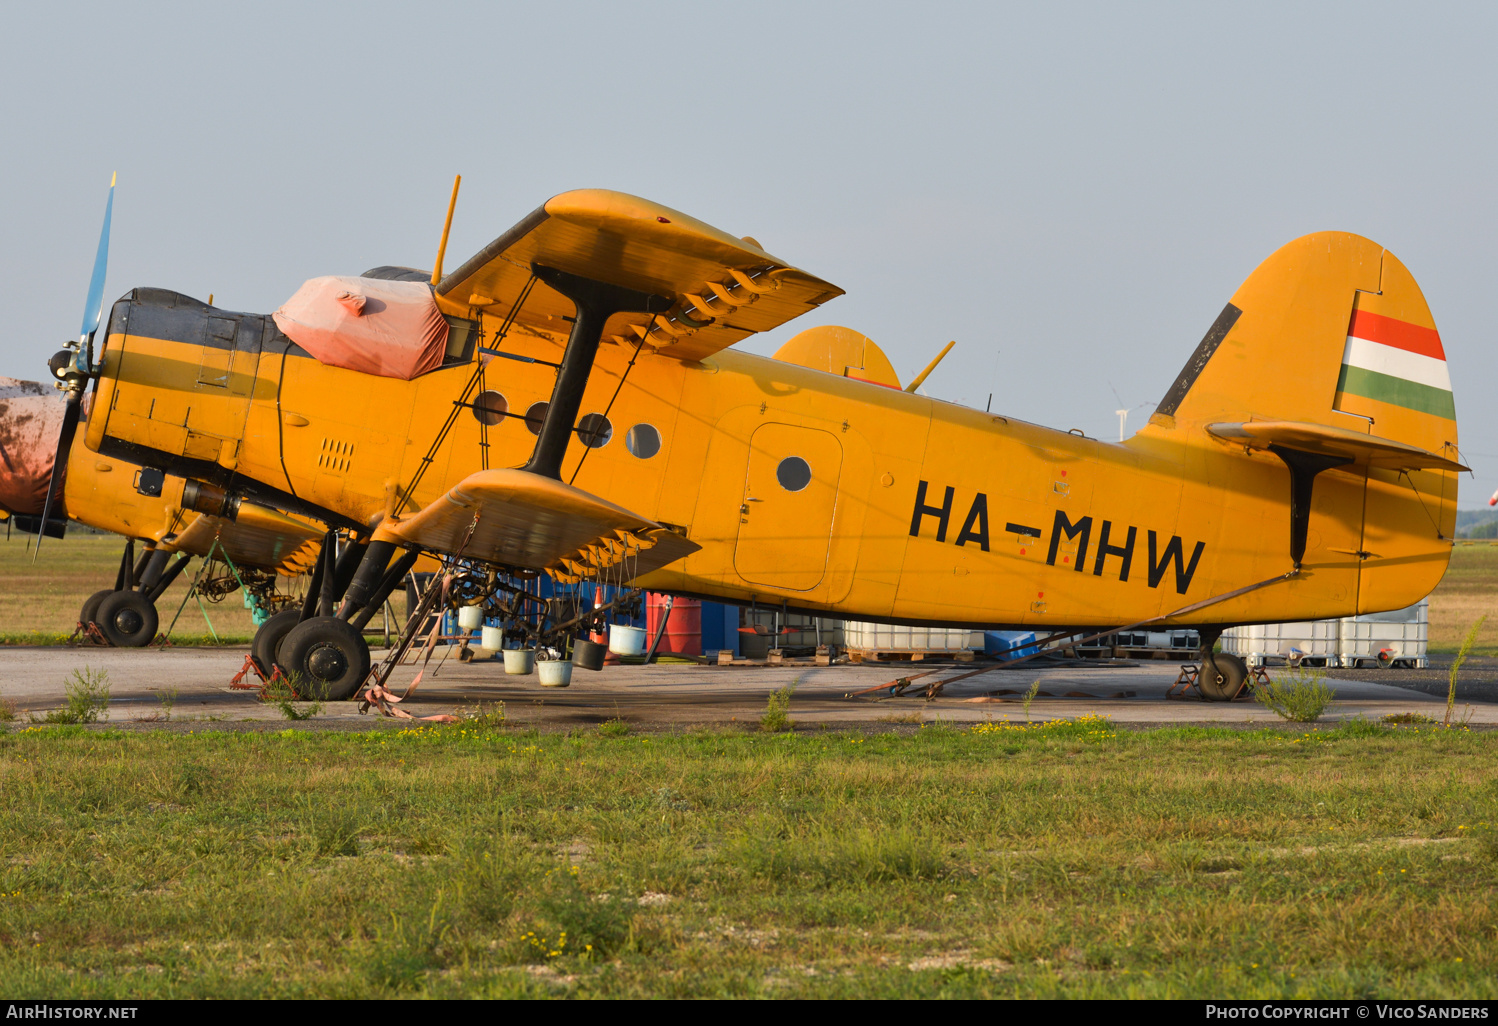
<point x="90" y="612"/>
<point x="1222" y="676"/>
<point x="325" y="658"/>
<point x="128" y="619"/>
<point x="268" y="638"/>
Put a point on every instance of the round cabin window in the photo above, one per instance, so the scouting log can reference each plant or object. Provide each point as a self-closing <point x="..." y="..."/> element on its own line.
<point x="535" y="417"/>
<point x="793" y="473"/>
<point x="490" y="408"/>
<point x="642" y="441"/>
<point x="595" y="430"/>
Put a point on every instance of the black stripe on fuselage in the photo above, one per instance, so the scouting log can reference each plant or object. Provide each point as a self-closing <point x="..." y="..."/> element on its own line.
<point x="173" y="317"/>
<point x="1198" y="362"/>
<point x="213" y="473"/>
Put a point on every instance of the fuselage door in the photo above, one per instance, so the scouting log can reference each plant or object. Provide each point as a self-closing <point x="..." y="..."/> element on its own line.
<point x="790" y="497"/>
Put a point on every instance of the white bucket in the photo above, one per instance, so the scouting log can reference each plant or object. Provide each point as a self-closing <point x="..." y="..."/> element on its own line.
<point x="521" y="661"/>
<point x="555" y="673"/>
<point x="493" y="638"/>
<point x="626" y="641"/>
<point x="470" y="618"/>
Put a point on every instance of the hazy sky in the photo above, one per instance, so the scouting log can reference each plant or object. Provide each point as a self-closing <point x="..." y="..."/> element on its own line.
<point x="1070" y="191"/>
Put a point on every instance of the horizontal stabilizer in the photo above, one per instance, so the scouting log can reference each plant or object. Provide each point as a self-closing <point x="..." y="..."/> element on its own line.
<point x="722" y="289"/>
<point x="1332" y="441"/>
<point x="516" y="518"/>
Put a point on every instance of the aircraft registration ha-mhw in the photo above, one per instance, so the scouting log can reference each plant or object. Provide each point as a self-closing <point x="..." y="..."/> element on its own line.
<point x="570" y="400"/>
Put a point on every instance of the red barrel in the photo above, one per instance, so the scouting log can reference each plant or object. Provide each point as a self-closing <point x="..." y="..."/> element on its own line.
<point x="683" y="629"/>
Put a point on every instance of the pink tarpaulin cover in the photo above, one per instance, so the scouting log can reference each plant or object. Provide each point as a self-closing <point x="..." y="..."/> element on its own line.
<point x="30" y="421"/>
<point x="389" y="328"/>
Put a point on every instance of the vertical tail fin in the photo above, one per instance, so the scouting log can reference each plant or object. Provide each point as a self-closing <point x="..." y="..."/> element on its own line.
<point x="1333" y="332"/>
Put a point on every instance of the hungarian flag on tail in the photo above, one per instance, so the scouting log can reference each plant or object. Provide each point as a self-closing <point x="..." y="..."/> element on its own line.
<point x="1395" y="362"/>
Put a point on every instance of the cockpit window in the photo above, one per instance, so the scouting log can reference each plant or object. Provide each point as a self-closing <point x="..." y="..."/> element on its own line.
<point x="461" y="336"/>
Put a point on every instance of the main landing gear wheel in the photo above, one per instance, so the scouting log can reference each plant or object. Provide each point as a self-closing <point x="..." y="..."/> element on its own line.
<point x="1221" y="676"/>
<point x="127" y="618"/>
<point x="266" y="647"/>
<point x="326" y="658"/>
<point x="90" y="612"/>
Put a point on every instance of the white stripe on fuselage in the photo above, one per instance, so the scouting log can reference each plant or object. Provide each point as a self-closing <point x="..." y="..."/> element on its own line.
<point x="1397" y="363"/>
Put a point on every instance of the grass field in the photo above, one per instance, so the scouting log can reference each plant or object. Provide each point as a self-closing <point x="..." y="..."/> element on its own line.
<point x="1063" y="860"/>
<point x="39" y="602"/>
<point x="1469" y="590"/>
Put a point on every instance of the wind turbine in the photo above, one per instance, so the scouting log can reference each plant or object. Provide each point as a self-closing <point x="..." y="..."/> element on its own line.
<point x="1123" y="414"/>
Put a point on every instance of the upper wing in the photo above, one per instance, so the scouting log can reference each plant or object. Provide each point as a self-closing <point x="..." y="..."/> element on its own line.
<point x="724" y="288"/>
<point x="1333" y="441"/>
<point x="257" y="537"/>
<point x="521" y="519"/>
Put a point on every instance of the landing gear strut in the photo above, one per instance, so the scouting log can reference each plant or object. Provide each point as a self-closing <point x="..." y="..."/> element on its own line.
<point x="328" y="657"/>
<point x="321" y="648"/>
<point x="1222" y="674"/>
<point x="126" y="614"/>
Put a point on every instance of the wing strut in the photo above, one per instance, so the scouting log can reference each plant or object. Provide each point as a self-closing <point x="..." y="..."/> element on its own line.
<point x="1304" y="466"/>
<point x="596" y="302"/>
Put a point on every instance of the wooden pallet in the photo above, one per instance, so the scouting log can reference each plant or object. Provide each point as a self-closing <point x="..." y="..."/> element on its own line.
<point x="776" y="657"/>
<point x="875" y="655"/>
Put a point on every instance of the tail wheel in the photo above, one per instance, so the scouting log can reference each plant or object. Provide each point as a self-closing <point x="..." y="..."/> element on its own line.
<point x="1221" y="676"/>
<point x="127" y="618"/>
<point x="326" y="658"/>
<point x="267" y="644"/>
<point x="90" y="612"/>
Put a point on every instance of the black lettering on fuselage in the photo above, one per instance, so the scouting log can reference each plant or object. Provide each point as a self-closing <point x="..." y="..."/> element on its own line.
<point x="942" y="513"/>
<point x="1063" y="529"/>
<point x="1173" y="551"/>
<point x="978" y="515"/>
<point x="1062" y="525"/>
<point x="1104" y="550"/>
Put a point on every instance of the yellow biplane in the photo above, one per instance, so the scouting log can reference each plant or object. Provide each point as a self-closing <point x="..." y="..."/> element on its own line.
<point x="103" y="494"/>
<point x="569" y="400"/>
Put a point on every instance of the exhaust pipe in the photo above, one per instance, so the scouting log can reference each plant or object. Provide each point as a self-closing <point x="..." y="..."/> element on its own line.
<point x="202" y="497"/>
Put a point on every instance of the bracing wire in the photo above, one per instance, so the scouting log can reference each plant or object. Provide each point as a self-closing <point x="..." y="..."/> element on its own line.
<point x="609" y="408"/>
<point x="408" y="493"/>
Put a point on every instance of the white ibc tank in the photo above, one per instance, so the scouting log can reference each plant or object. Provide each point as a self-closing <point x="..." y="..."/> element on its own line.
<point x="884" y="637"/>
<point x="1397" y="637"/>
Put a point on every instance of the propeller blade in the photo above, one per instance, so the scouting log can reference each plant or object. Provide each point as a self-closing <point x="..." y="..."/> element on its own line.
<point x="59" y="463"/>
<point x="74" y="365"/>
<point x="94" y="308"/>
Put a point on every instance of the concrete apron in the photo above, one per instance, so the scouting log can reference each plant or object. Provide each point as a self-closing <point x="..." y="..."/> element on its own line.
<point x="670" y="695"/>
